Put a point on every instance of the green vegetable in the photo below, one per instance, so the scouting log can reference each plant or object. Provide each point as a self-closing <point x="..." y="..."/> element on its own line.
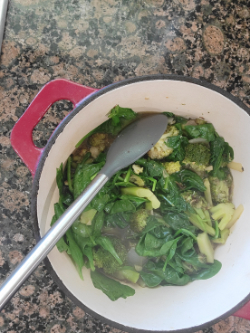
<point x="204" y="131"/>
<point x="75" y="252"/>
<point x="110" y="254"/>
<point x="113" y="289"/>
<point x="205" y="247"/>
<point x="224" y="235"/>
<point x="87" y="217"/>
<point x="178" y="144"/>
<point x="221" y="188"/>
<point x="208" y="272"/>
<point x="197" y="157"/>
<point x="192" y="181"/>
<point x="224" y="213"/>
<point x="139" y="220"/>
<point x="221" y="154"/>
<point x="142" y="193"/>
<point x="127" y="273"/>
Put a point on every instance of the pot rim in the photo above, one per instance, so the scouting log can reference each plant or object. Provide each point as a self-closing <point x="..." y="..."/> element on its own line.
<point x="35" y="186"/>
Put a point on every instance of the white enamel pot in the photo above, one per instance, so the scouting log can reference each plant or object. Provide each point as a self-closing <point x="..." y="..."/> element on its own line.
<point x="162" y="309"/>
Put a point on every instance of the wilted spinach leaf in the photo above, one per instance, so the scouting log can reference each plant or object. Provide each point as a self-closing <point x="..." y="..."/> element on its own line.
<point x="113" y="289"/>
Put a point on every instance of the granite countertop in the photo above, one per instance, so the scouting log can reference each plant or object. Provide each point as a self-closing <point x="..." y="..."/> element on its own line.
<point x="97" y="42"/>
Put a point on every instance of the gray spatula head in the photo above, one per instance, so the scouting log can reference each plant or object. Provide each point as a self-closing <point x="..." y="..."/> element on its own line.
<point x="134" y="141"/>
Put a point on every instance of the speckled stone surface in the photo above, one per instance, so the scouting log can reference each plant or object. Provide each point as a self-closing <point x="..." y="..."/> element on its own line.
<point x="97" y="42"/>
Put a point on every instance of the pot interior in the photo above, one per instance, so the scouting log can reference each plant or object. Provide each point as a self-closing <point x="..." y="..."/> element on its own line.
<point x="163" y="308"/>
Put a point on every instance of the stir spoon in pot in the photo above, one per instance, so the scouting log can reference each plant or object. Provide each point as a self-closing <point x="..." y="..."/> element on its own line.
<point x="132" y="143"/>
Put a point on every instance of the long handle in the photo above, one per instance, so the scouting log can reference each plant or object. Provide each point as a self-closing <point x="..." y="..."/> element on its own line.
<point x="3" y="10"/>
<point x="45" y="245"/>
<point x="53" y="91"/>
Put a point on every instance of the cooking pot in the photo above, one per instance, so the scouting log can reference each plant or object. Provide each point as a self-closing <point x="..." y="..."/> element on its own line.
<point x="187" y="308"/>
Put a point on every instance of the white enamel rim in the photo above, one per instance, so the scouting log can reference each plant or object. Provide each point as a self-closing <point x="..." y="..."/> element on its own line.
<point x="164" y="309"/>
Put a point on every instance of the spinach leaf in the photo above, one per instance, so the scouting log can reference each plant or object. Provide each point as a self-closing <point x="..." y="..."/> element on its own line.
<point x="151" y="279"/>
<point x="228" y="154"/>
<point x="83" y="241"/>
<point x="113" y="289"/>
<point x="121" y="206"/>
<point x="89" y="254"/>
<point x="179" y="221"/>
<point x="106" y="244"/>
<point x="191" y="258"/>
<point x="75" y="252"/>
<point x="208" y="272"/>
<point x="216" y="148"/>
<point x="152" y="242"/>
<point x="169" y="277"/>
<point x="61" y="244"/>
<point x="120" y="220"/>
<point x="178" y="144"/>
<point x="82" y="176"/>
<point x="60" y="178"/>
<point x="154" y="169"/>
<point x="221" y="155"/>
<point x="178" y="119"/>
<point x="143" y="247"/>
<point x="171" y="252"/>
<point x="204" y="131"/>
<point x="82" y="229"/>
<point x="99" y="201"/>
<point x="186" y="245"/>
<point x="98" y="223"/>
<point x="173" y="196"/>
<point x="162" y="232"/>
<point x="120" y="112"/>
<point x="191" y="180"/>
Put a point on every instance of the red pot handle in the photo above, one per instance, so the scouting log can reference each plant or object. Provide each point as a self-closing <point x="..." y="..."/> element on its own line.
<point x="53" y="91"/>
<point x="244" y="312"/>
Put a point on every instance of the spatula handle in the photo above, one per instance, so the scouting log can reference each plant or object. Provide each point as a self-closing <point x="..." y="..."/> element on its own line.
<point x="45" y="245"/>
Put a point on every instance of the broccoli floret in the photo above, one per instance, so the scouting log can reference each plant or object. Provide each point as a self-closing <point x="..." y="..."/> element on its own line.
<point x="99" y="142"/>
<point x="172" y="167"/>
<point x="224" y="213"/>
<point x="221" y="189"/>
<point x="161" y="149"/>
<point x="105" y="260"/>
<point x="197" y="156"/>
<point x="139" y="220"/>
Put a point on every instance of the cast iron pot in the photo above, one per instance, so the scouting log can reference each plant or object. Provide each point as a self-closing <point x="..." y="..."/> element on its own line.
<point x="163" y="309"/>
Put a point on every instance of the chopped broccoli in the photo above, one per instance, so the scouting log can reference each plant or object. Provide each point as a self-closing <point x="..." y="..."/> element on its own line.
<point x="161" y="149"/>
<point x="99" y="142"/>
<point x="105" y="260"/>
<point x="172" y="167"/>
<point x="139" y="220"/>
<point x="197" y="156"/>
<point x="220" y="189"/>
<point x="224" y="213"/>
